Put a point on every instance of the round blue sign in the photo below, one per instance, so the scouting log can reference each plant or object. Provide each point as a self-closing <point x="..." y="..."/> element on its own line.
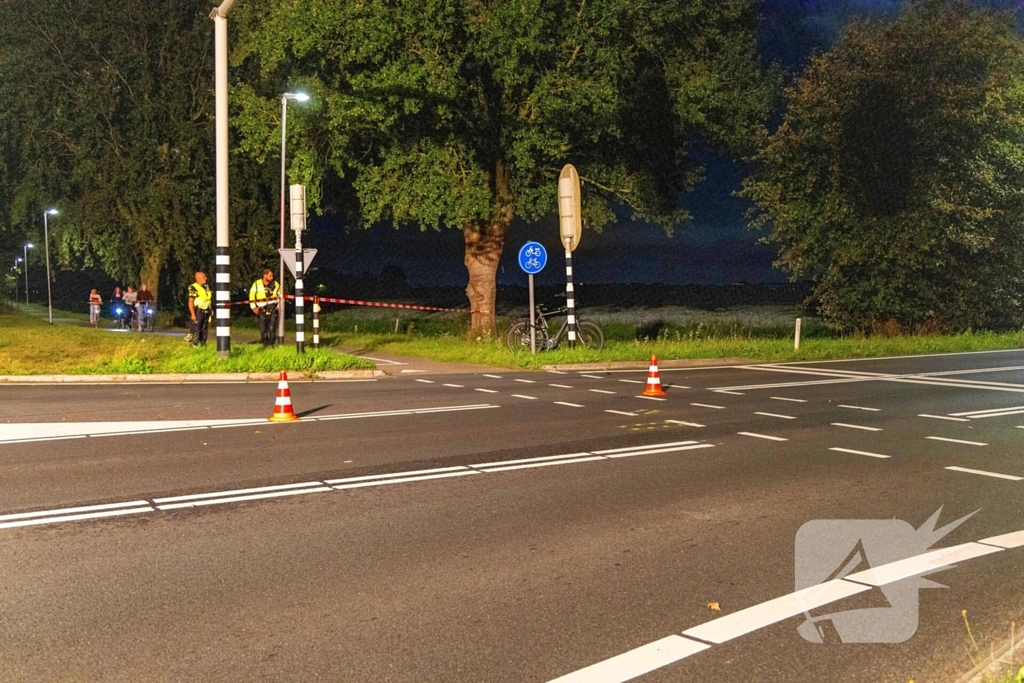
<point x="532" y="258"/>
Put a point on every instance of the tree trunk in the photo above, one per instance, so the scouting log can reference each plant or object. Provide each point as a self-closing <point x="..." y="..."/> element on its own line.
<point x="484" y="243"/>
<point x="152" y="263"/>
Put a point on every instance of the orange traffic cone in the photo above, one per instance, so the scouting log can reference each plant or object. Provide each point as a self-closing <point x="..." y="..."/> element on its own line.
<point x="654" y="380"/>
<point x="283" y="405"/>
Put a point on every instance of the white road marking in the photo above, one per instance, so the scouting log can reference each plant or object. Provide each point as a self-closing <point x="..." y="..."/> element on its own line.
<point x="487" y="391"/>
<point x="1010" y="477"/>
<point x="966" y="443"/>
<point x="632" y="381"/>
<point x="403" y="480"/>
<point x="873" y="410"/>
<point x="385" y="361"/>
<point x="792" y="400"/>
<point x="566" y="403"/>
<point x="850" y="450"/>
<point x="550" y="463"/>
<point x="685" y="424"/>
<point x="863" y="427"/>
<point x="528" y="398"/>
<point x="493" y="376"/>
<point x="637" y="662"/>
<point x="412" y="371"/>
<point x="239" y="499"/>
<point x="944" y="417"/>
<point x="972" y="413"/>
<point x="784" y="417"/>
<point x="676" y="386"/>
<point x="640" y="448"/>
<point x="762" y="436"/>
<point x="68" y="511"/>
<point x="652" y="398"/>
<point x="773" y="611"/>
<point x="601" y="391"/>
<point x="1013" y="539"/>
<point x="723" y="391"/>
<point x="544" y="458"/>
<point x="921" y="564"/>
<point x="392" y="475"/>
<point x="527" y="381"/>
<point x="238" y="492"/>
<point x="74" y="518"/>
<point x="426" y="381"/>
<point x="457" y="386"/>
<point x="557" y="372"/>
<point x="708" y="405"/>
<point x="621" y="412"/>
<point x="592" y="376"/>
<point x="560" y="386"/>
<point x="661" y="450"/>
<point x="1003" y="413"/>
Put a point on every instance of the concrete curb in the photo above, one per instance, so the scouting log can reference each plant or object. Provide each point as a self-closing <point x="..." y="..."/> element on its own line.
<point x="643" y="365"/>
<point x="328" y="375"/>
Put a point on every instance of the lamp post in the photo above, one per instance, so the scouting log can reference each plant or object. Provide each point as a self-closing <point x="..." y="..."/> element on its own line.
<point x="17" y="260"/>
<point x="285" y="98"/>
<point x="25" y="249"/>
<point x="222" y="277"/>
<point x="46" y="247"/>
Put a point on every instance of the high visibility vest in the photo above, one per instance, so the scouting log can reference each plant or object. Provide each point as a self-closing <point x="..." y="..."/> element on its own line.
<point x="201" y="294"/>
<point x="261" y="295"/>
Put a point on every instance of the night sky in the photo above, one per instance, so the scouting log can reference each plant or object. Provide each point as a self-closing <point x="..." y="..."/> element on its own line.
<point x="715" y="248"/>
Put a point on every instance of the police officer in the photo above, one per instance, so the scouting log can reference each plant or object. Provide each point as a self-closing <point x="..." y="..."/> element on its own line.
<point x="263" y="301"/>
<point x="199" y="301"/>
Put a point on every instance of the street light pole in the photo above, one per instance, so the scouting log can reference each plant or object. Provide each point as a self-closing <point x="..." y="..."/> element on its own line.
<point x="28" y="245"/>
<point x="17" y="260"/>
<point x="222" y="282"/>
<point x="46" y="247"/>
<point x="300" y="97"/>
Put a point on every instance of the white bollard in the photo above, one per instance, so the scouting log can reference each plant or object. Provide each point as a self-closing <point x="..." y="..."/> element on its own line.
<point x="796" y="336"/>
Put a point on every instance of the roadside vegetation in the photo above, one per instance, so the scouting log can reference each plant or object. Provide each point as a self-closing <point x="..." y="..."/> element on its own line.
<point x="31" y="346"/>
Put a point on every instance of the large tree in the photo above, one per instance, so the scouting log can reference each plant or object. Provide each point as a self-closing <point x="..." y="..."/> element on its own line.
<point x="460" y="113"/>
<point x="108" y="113"/>
<point x="896" y="181"/>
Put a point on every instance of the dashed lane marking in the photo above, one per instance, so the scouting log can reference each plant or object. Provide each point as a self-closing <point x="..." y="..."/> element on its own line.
<point x="426" y="381"/>
<point x="944" y="417"/>
<point x="1010" y="477"/>
<point x="566" y="403"/>
<point x="869" y="454"/>
<point x="732" y="393"/>
<point x="862" y="427"/>
<point x="677" y="386"/>
<point x="792" y="400"/>
<point x="762" y="436"/>
<point x="685" y="424"/>
<point x="592" y="376"/>
<point x="708" y="405"/>
<point x="456" y="386"/>
<point x="527" y="381"/>
<point x="560" y="386"/>
<point x="871" y="410"/>
<point x="783" y="417"/>
<point x="960" y="441"/>
<point x="977" y="413"/>
<point x="528" y="398"/>
<point x="601" y="391"/>
<point x="557" y="372"/>
<point x="493" y="376"/>
<point x="632" y="381"/>
<point x="487" y="391"/>
<point x="652" y="398"/>
<point x="621" y="412"/>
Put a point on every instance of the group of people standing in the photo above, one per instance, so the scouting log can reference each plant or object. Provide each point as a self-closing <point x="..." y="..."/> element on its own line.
<point x="130" y="309"/>
<point x="263" y="296"/>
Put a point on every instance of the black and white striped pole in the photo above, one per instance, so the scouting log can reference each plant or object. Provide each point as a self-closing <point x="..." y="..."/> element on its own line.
<point x="298" y="206"/>
<point x="316" y="322"/>
<point x="570" y="226"/>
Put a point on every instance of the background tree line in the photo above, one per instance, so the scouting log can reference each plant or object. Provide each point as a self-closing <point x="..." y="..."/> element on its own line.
<point x="894" y="180"/>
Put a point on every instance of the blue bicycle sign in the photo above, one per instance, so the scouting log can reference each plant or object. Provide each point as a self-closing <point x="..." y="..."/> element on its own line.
<point x="532" y="258"/>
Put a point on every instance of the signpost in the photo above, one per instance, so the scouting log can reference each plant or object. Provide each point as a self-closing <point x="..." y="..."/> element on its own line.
<point x="532" y="259"/>
<point x="288" y="255"/>
<point x="570" y="227"/>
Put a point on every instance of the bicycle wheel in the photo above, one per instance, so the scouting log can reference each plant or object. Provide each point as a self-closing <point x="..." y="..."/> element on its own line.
<point x="518" y="336"/>
<point x="589" y="335"/>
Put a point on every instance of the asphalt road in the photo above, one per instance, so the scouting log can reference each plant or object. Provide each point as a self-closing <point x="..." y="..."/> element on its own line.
<point x="486" y="568"/>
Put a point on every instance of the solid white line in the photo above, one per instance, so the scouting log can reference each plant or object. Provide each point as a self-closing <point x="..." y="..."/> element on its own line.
<point x="966" y="443"/>
<point x="571" y="405"/>
<point x="944" y="417"/>
<point x="687" y="424"/>
<point x="921" y="564"/>
<point x="592" y="376"/>
<point x="632" y="381"/>
<point x="391" y="475"/>
<point x="385" y="361"/>
<point x="487" y="391"/>
<point x="873" y="410"/>
<point x="235" y="492"/>
<point x="493" y="376"/>
<point x="557" y="372"/>
<point x="636" y="662"/>
<point x="784" y="417"/>
<point x="676" y="386"/>
<point x="527" y="381"/>
<point x="528" y="398"/>
<point x="560" y="386"/>
<point x="762" y="436"/>
<point x="238" y="499"/>
<point x="863" y="427"/>
<point x="426" y="381"/>
<point x="601" y="391"/>
<point x="642" y="448"/>
<point x="653" y="398"/>
<point x="404" y="480"/>
<point x="661" y="450"/>
<point x="1014" y="539"/>
<point x="1010" y="477"/>
<point x="447" y="409"/>
<point x="501" y="463"/>
<point x="73" y="518"/>
<point x="773" y="611"/>
<point x="723" y="391"/>
<point x="1005" y="413"/>
<point x="972" y="413"/>
<point x="708" y="405"/>
<point x="621" y="412"/>
<point x="792" y="400"/>
<point x="850" y="450"/>
<point x="457" y="386"/>
<point x="542" y="464"/>
<point x="66" y="511"/>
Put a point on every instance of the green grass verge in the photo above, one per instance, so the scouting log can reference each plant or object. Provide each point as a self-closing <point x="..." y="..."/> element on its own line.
<point x="31" y="346"/>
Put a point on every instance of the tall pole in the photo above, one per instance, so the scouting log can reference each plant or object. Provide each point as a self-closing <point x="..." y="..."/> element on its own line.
<point x="223" y="259"/>
<point x="533" y="319"/>
<point x="46" y="247"/>
<point x="280" y="299"/>
<point x="24" y="250"/>
<point x="298" y="211"/>
<point x="570" y="295"/>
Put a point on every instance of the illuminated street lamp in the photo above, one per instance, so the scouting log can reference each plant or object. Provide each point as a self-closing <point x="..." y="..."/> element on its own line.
<point x="285" y="98"/>
<point x="46" y="247"/>
<point x="17" y="260"/>
<point x="28" y="245"/>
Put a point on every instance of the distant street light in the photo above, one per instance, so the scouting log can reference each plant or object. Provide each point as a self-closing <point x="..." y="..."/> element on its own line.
<point x="298" y="97"/>
<point x="25" y="249"/>
<point x="17" y="260"/>
<point x="46" y="247"/>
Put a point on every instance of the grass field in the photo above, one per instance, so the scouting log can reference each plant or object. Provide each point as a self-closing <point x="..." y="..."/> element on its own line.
<point x="31" y="346"/>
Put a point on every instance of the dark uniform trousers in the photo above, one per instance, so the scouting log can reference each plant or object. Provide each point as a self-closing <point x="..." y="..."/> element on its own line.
<point x="267" y="320"/>
<point x="200" y="327"/>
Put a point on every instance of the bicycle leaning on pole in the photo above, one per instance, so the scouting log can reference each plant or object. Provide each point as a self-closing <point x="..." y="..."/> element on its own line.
<point x="517" y="338"/>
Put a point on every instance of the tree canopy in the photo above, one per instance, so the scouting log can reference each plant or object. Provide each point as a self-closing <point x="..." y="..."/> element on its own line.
<point x="896" y="180"/>
<point x="460" y="113"/>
